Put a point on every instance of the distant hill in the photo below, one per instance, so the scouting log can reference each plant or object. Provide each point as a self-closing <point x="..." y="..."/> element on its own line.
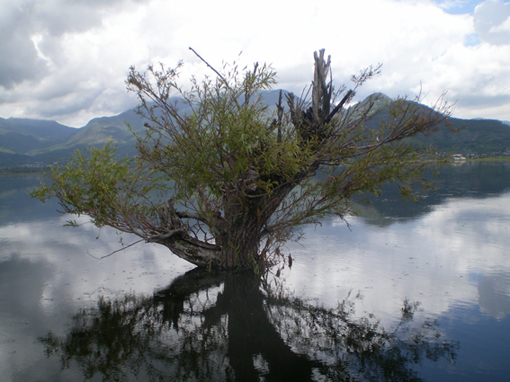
<point x="474" y="137"/>
<point x="37" y="143"/>
<point x="98" y="132"/>
<point x="20" y="136"/>
<point x="30" y="143"/>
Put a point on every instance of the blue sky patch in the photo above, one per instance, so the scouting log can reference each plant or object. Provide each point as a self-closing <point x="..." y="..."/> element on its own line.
<point x="458" y="7"/>
<point x="472" y="39"/>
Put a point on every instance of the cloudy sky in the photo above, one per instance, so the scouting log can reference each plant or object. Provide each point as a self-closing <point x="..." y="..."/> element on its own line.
<point x="67" y="60"/>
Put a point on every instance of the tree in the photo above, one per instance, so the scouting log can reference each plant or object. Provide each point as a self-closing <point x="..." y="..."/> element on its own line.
<point x="222" y="179"/>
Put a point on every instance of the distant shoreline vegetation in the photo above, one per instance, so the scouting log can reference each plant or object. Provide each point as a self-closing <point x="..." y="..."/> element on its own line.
<point x="40" y="169"/>
<point x="503" y="158"/>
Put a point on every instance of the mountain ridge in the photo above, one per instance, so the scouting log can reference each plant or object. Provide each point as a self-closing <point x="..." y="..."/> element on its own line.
<point x="33" y="143"/>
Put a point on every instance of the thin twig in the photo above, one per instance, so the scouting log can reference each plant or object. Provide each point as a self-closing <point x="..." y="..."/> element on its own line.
<point x="118" y="250"/>
<point x="205" y="62"/>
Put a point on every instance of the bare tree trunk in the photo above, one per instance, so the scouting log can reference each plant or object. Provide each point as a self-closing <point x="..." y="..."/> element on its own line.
<point x="240" y="248"/>
<point x="240" y="239"/>
<point x="237" y="236"/>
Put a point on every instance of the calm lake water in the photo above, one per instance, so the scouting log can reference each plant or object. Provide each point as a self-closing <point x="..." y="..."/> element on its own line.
<point x="407" y="292"/>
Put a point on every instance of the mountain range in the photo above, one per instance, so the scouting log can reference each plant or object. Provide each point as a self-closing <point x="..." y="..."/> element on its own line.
<point x="32" y="143"/>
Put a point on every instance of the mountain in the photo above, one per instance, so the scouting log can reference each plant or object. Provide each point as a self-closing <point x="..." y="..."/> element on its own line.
<point x="20" y="136"/>
<point x="96" y="132"/>
<point x="37" y="143"/>
<point x="472" y="137"/>
<point x="477" y="138"/>
<point x="30" y="143"/>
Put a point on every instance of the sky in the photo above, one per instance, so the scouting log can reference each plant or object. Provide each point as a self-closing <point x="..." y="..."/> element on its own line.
<point x="67" y="60"/>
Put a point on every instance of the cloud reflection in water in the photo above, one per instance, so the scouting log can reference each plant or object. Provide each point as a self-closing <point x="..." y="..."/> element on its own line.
<point x="440" y="258"/>
<point x="450" y="254"/>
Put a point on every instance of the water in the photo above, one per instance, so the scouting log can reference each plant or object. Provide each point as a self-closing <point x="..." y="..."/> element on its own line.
<point x="407" y="292"/>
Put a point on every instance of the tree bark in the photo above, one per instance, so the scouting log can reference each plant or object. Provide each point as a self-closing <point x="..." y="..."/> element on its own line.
<point x="195" y="251"/>
<point x="240" y="235"/>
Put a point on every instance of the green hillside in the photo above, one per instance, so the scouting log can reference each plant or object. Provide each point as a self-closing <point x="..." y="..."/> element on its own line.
<point x="29" y="143"/>
<point x="37" y="143"/>
<point x="472" y="138"/>
<point x="478" y="138"/>
<point x="37" y="128"/>
<point x="20" y="136"/>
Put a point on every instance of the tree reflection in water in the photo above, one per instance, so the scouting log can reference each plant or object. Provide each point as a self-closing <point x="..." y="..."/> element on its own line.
<point x="207" y="327"/>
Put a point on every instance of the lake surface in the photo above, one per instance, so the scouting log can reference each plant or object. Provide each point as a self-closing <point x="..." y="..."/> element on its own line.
<point x="406" y="292"/>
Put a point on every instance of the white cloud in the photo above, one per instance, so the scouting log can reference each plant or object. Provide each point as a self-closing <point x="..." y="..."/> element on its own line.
<point x="492" y="21"/>
<point x="68" y="60"/>
<point x="478" y="78"/>
<point x="504" y="27"/>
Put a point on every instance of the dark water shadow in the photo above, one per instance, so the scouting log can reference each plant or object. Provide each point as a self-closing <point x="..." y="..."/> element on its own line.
<point x="476" y="180"/>
<point x="15" y="203"/>
<point x="206" y="327"/>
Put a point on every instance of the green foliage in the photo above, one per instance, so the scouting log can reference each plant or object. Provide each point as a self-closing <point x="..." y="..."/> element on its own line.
<point x="229" y="135"/>
<point x="242" y="177"/>
<point x="98" y="185"/>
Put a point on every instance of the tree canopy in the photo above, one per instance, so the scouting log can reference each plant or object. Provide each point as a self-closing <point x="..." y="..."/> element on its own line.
<point x="222" y="178"/>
